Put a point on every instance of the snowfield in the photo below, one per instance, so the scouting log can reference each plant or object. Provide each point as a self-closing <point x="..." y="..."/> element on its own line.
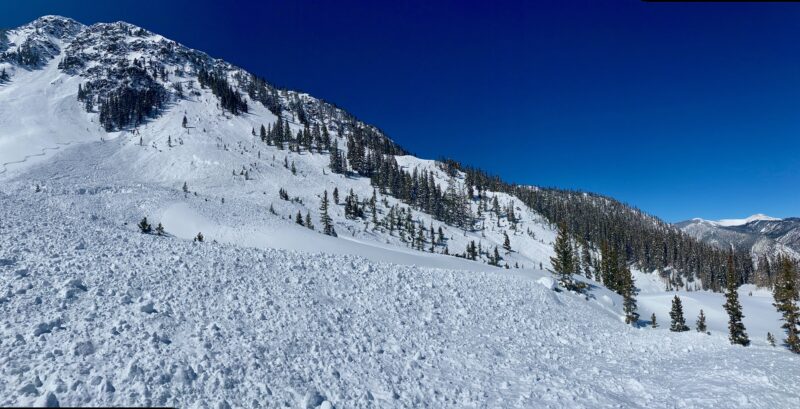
<point x="95" y="313"/>
<point x="268" y="313"/>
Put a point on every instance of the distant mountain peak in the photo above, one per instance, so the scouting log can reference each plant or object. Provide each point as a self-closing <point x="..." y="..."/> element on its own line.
<point x="741" y="222"/>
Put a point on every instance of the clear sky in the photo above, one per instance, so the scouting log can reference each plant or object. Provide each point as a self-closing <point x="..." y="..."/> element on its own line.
<point x="683" y="110"/>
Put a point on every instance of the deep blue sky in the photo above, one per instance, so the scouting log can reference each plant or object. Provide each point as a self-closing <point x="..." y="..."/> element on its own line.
<point x="682" y="110"/>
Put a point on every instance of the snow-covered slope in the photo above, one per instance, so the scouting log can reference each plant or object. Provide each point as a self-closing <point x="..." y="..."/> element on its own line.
<point x="742" y="222"/>
<point x="759" y="234"/>
<point x="94" y="313"/>
<point x="212" y="153"/>
<point x="267" y="312"/>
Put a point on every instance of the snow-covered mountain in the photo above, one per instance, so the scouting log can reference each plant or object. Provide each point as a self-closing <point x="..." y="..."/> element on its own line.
<point x="103" y="125"/>
<point x="760" y="235"/>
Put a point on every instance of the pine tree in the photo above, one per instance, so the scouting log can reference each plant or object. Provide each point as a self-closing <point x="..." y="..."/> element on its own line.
<point x="495" y="258"/>
<point x="199" y="237"/>
<point x="770" y="339"/>
<point x="421" y="238"/>
<point x="701" y="323"/>
<point x="299" y="219"/>
<point x="609" y="266"/>
<point x="628" y="292"/>
<point x="678" y="323"/>
<point x="308" y="221"/>
<point x="736" y="330"/>
<point x="325" y="219"/>
<point x="159" y="229"/>
<point x="144" y="226"/>
<point x="786" y="297"/>
<point x="506" y="242"/>
<point x="653" y="322"/>
<point x="185" y="122"/>
<point x="563" y="260"/>
<point x="586" y="259"/>
<point x="336" y="195"/>
<point x="185" y="188"/>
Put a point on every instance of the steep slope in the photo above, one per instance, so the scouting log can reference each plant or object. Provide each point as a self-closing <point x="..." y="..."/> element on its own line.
<point x="217" y="154"/>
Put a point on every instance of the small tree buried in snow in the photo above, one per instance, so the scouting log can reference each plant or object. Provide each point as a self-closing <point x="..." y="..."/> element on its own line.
<point x="653" y="322"/>
<point x="160" y="229"/>
<point x="199" y="237"/>
<point x="701" y="323"/>
<point x="144" y="226"/>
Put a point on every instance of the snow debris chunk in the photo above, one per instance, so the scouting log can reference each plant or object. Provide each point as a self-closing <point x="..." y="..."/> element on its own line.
<point x="72" y="288"/>
<point x="148" y="308"/>
<point x="547" y="282"/>
<point x="84" y="348"/>
<point x="47" y="327"/>
<point x="47" y="400"/>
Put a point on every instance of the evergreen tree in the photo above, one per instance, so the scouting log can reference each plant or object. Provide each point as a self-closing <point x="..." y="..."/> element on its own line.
<point x="563" y="260"/>
<point x="628" y="291"/>
<point x="609" y="266"/>
<point x="185" y="122"/>
<point x="199" y="237"/>
<point x="494" y="259"/>
<point x="374" y="210"/>
<point x="701" y="323"/>
<point x="144" y="226"/>
<point x="336" y="195"/>
<point x="308" y="221"/>
<point x="770" y="339"/>
<point x="325" y="219"/>
<point x="786" y="297"/>
<point x="263" y="133"/>
<point x="229" y="98"/>
<point x="586" y="259"/>
<point x="653" y="322"/>
<point x="159" y="229"/>
<point x="421" y="238"/>
<point x="185" y="188"/>
<point x="299" y="219"/>
<point x="506" y="242"/>
<point x="678" y="323"/>
<point x="737" y="333"/>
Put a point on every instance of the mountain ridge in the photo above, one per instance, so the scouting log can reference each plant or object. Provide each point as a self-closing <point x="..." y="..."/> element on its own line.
<point x="129" y="80"/>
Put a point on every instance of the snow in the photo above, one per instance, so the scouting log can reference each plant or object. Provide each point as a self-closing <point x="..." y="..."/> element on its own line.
<point x="165" y="321"/>
<point x="269" y="313"/>
<point x="760" y="315"/>
<point x="737" y="222"/>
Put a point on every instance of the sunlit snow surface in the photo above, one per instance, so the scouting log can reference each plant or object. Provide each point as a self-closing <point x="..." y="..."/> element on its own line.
<point x="266" y="313"/>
